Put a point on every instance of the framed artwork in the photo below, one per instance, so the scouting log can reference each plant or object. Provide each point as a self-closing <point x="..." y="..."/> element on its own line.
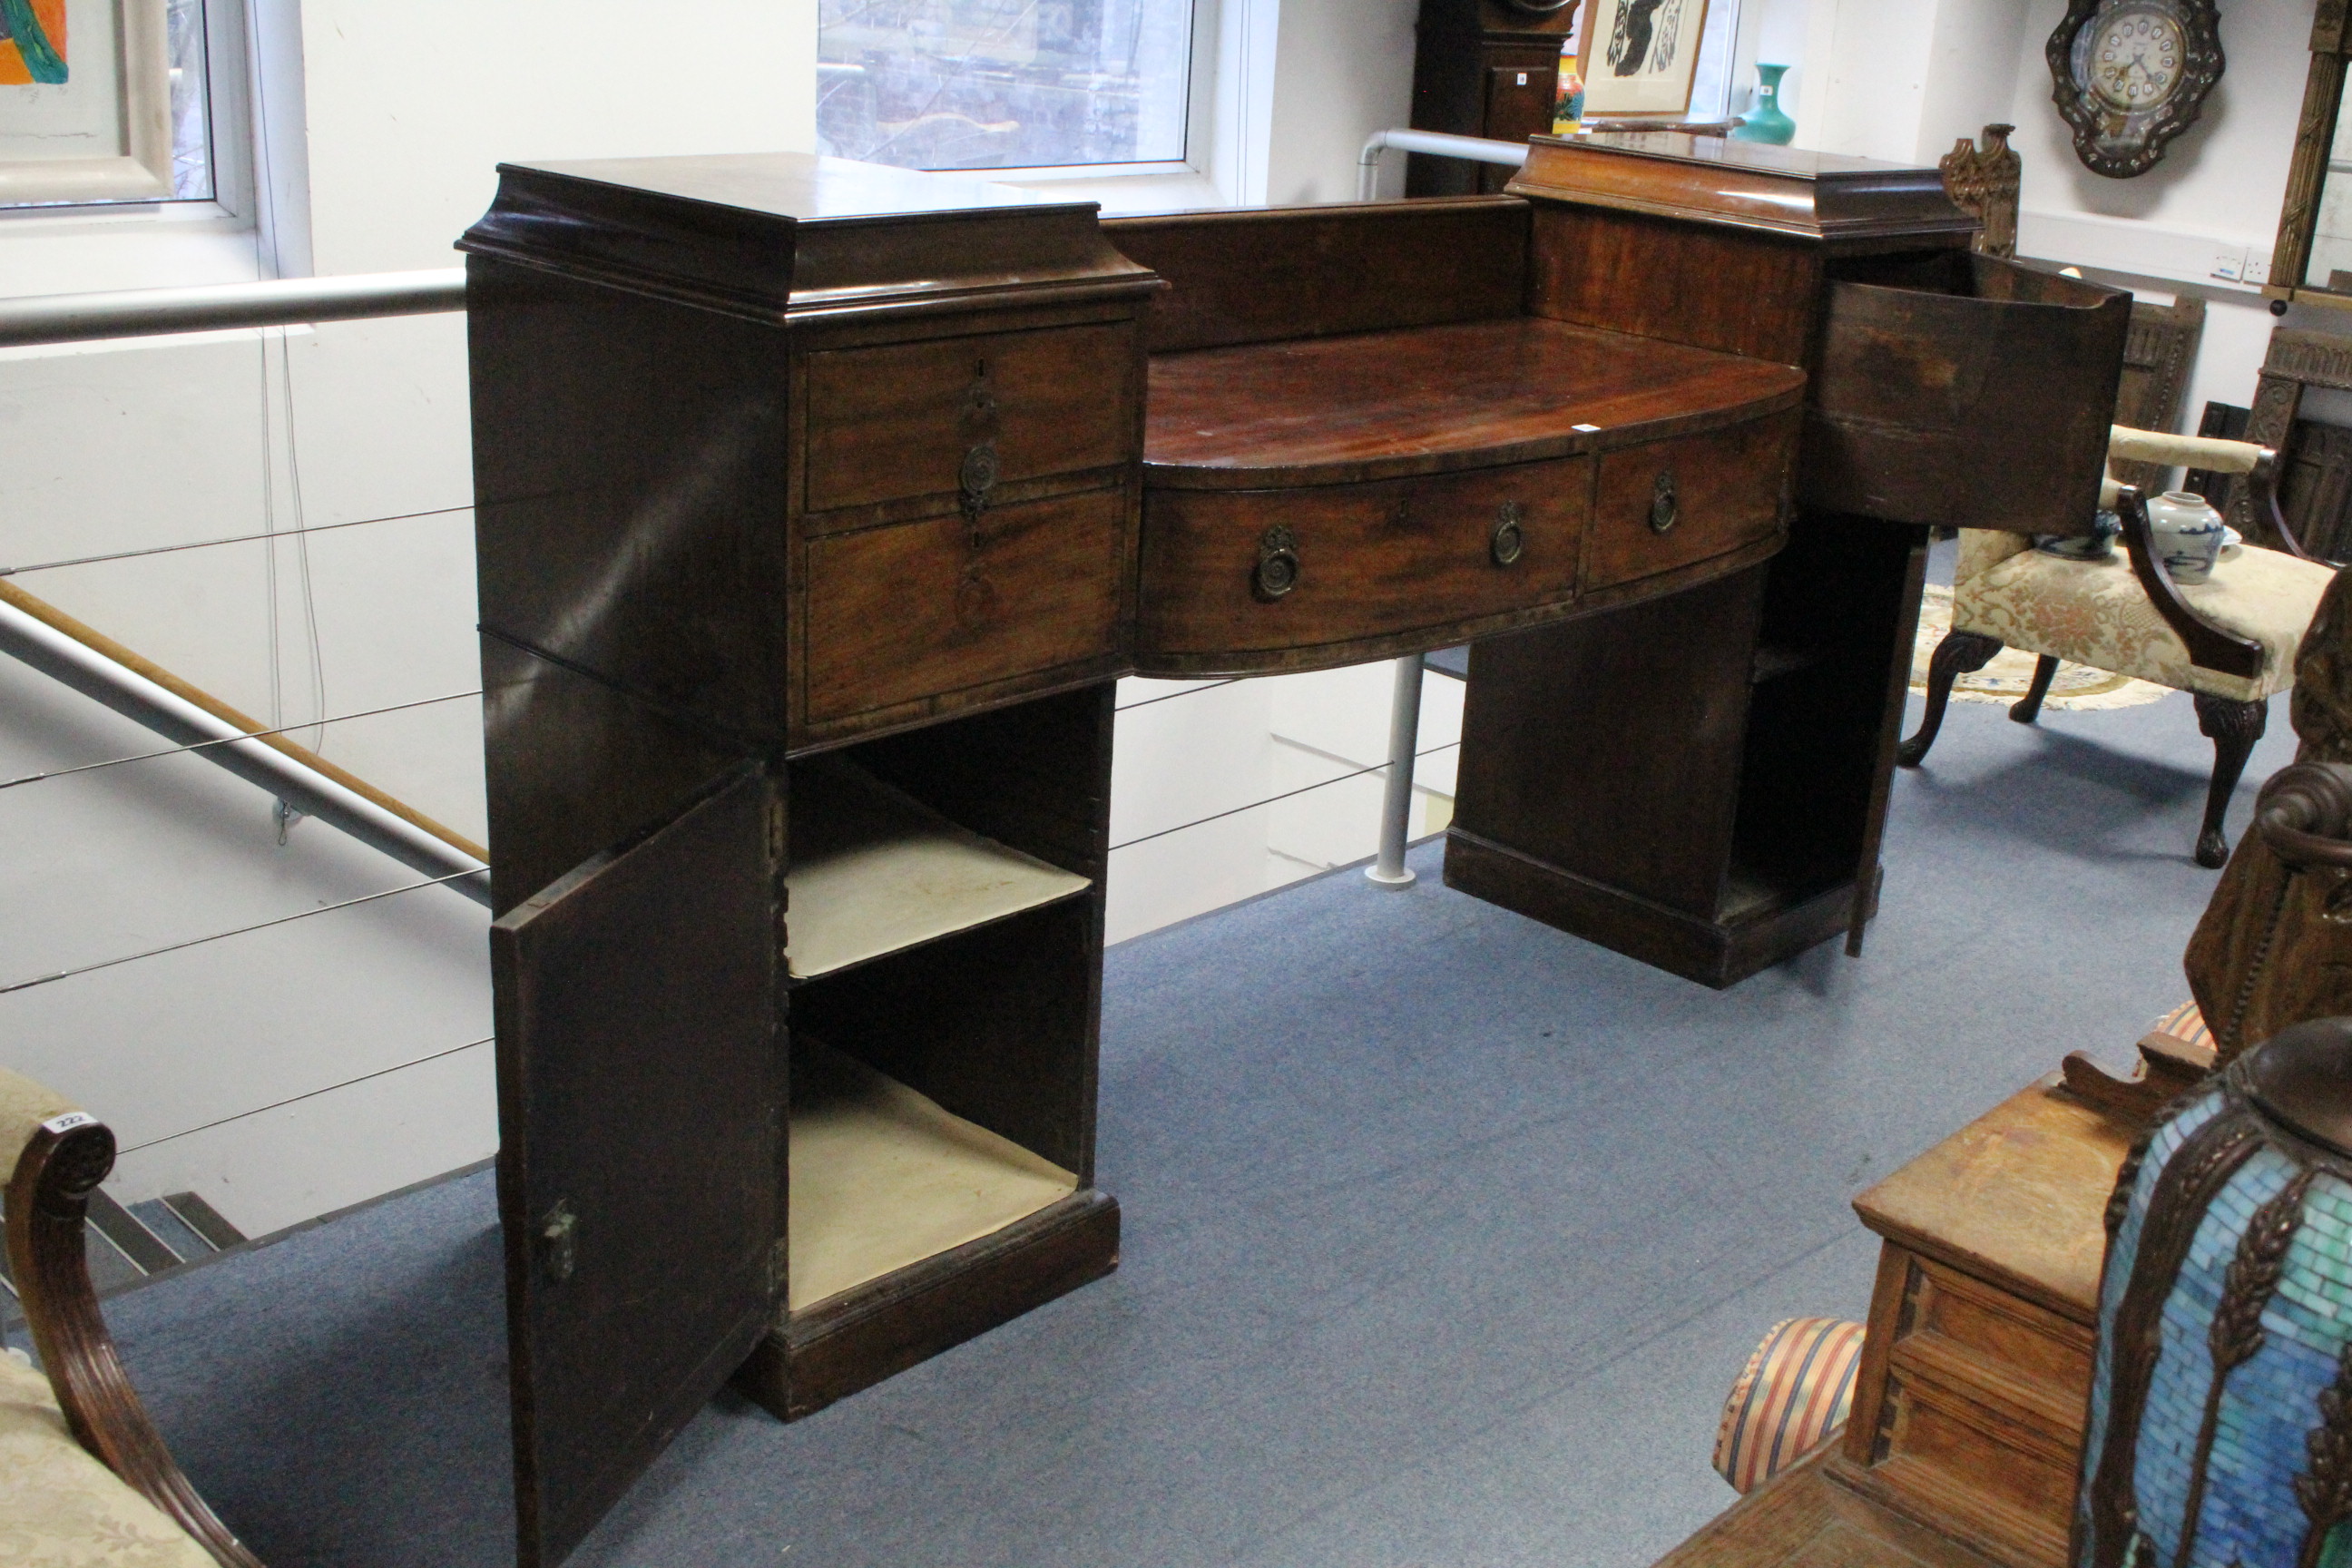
<point x="1640" y="54"/>
<point x="85" y="101"/>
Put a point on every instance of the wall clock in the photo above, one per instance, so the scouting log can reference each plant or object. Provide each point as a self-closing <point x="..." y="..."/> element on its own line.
<point x="2130" y="74"/>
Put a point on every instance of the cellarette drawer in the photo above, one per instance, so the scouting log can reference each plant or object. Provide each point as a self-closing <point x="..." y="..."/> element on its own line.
<point x="1665" y="504"/>
<point x="1323" y="566"/>
<point x="915" y="610"/>
<point x="932" y="418"/>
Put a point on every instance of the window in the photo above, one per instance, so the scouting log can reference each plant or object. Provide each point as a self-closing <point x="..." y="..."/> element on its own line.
<point x="1004" y="84"/>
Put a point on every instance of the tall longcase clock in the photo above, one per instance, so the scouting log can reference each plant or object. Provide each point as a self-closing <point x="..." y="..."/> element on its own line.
<point x="2130" y="74"/>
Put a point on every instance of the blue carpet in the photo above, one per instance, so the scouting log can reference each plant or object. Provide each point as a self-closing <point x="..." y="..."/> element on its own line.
<point x="1446" y="1233"/>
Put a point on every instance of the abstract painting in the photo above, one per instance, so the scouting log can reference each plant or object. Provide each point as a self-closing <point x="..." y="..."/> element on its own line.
<point x="101" y="132"/>
<point x="31" y="42"/>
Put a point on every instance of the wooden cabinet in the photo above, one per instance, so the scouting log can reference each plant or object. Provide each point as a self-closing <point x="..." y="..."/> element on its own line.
<point x="1484" y="68"/>
<point x="1967" y="1431"/>
<point x="806" y="504"/>
<point x="1736" y="820"/>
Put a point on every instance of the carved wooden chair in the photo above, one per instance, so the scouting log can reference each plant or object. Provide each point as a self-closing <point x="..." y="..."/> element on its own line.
<point x="2230" y="641"/>
<point x="85" y="1478"/>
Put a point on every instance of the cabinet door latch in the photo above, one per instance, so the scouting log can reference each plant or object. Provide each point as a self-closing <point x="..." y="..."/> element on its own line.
<point x="559" y="1246"/>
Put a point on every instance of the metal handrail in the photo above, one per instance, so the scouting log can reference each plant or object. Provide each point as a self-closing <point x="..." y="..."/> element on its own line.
<point x="99" y="667"/>
<point x="221" y="307"/>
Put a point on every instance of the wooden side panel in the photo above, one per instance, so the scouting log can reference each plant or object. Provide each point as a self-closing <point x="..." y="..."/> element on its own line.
<point x="1309" y="272"/>
<point x="1670" y="503"/>
<point x="1969" y="1409"/>
<point x="574" y="766"/>
<point x="629" y="458"/>
<point x="905" y="612"/>
<point x="1371" y="558"/>
<point x="1610" y="747"/>
<point x="640" y="1162"/>
<point x="899" y="421"/>
<point x="1740" y="291"/>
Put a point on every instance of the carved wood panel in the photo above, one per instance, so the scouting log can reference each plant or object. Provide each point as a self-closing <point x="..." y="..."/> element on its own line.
<point x="2157" y="353"/>
<point x="2298" y="359"/>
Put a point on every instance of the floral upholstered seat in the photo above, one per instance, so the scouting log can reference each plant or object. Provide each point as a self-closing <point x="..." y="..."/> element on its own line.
<point x="2096" y="612"/>
<point x="60" y="1507"/>
<point x="2230" y="641"/>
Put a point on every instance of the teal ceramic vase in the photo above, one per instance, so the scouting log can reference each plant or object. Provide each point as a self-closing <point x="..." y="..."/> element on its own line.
<point x="2220" y="1429"/>
<point x="1765" y="122"/>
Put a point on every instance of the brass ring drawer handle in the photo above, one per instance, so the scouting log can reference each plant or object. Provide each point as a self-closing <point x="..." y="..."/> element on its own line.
<point x="1509" y="541"/>
<point x="1277" y="565"/>
<point x="1665" y="510"/>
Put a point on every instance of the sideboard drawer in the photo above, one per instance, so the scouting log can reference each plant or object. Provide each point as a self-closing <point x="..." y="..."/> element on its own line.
<point x="1665" y="504"/>
<point x="899" y="421"/>
<point x="1359" y="561"/>
<point x="913" y="611"/>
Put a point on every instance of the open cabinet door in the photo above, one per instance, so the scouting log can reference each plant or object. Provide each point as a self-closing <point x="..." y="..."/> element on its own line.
<point x="640" y="1164"/>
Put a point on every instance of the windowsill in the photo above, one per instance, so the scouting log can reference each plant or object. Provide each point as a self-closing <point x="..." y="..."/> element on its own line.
<point x="1158" y="191"/>
<point x="165" y="245"/>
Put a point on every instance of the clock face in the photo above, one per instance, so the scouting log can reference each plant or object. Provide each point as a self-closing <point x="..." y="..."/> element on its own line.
<point x="2136" y="56"/>
<point x="2128" y="76"/>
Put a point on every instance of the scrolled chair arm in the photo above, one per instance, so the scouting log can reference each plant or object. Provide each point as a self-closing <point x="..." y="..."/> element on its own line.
<point x="56" y="1157"/>
<point x="2304" y="815"/>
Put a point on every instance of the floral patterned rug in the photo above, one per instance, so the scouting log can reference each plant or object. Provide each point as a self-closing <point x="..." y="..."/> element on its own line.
<point x="2077" y="687"/>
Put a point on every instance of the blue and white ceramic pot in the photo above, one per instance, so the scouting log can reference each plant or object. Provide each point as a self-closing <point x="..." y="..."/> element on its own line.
<point x="2188" y="533"/>
<point x="2221" y="1418"/>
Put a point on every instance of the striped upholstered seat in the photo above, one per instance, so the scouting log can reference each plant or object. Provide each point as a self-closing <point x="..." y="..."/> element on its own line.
<point x="1791" y="1398"/>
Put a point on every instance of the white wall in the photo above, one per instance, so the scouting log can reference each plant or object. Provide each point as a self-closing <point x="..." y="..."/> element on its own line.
<point x="123" y="445"/>
<point x="1902" y="79"/>
<point x="376" y="156"/>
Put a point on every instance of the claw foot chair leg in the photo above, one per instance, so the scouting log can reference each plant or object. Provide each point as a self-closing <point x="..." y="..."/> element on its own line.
<point x="1958" y="654"/>
<point x="2027" y="708"/>
<point x="2234" y="727"/>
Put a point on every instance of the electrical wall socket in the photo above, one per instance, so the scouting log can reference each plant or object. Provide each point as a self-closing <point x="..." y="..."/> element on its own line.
<point x="2247" y="265"/>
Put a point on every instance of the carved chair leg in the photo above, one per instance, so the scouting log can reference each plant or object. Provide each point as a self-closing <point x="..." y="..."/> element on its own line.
<point x="2027" y="708"/>
<point x="1958" y="654"/>
<point x="2233" y="728"/>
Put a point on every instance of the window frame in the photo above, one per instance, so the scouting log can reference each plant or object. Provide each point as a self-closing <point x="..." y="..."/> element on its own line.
<point x="1202" y="176"/>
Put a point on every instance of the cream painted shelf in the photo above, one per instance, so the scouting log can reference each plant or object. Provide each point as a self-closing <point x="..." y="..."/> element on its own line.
<point x="874" y="871"/>
<point x="883" y="1176"/>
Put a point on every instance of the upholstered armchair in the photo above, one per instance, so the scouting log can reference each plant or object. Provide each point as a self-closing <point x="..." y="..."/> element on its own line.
<point x="85" y="1478"/>
<point x="2230" y="641"/>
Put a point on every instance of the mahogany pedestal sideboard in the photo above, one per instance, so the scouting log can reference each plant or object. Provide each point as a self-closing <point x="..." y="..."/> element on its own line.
<point x="819" y="505"/>
<point x="1967" y="1416"/>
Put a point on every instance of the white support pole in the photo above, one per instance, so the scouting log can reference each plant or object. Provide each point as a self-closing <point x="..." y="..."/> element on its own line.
<point x="1388" y="867"/>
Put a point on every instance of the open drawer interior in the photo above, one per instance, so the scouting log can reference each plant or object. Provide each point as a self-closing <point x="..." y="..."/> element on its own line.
<point x="1930" y="361"/>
